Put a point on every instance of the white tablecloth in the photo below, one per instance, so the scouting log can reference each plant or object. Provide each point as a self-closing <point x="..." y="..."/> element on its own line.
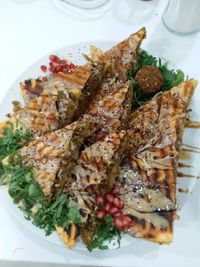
<point x="30" y="29"/>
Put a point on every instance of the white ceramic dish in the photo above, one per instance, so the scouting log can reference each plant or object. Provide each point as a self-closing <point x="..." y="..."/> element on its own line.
<point x="74" y="53"/>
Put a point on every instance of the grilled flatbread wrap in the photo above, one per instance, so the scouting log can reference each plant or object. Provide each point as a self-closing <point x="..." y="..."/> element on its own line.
<point x="53" y="155"/>
<point x="60" y="100"/>
<point x="147" y="180"/>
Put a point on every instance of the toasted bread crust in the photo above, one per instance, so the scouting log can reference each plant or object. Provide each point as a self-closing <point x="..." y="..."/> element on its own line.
<point x="155" y="132"/>
<point x="55" y="154"/>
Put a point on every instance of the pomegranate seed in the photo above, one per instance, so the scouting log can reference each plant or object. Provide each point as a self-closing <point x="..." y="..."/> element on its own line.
<point x="101" y="214"/>
<point x="108" y="206"/>
<point x="52" y="69"/>
<point x="58" y="68"/>
<point x="53" y="58"/>
<point x="56" y="64"/>
<point x="44" y="79"/>
<point x="118" y="222"/>
<point x="113" y="211"/>
<point x="43" y="68"/>
<point x="99" y="200"/>
<point x="64" y="62"/>
<point x="116" y="202"/>
<point x="72" y="66"/>
<point x="66" y="68"/>
<point x="121" y="204"/>
<point x="126" y="221"/>
<point x="109" y="197"/>
<point x="117" y="214"/>
<point x="115" y="191"/>
<point x="131" y="224"/>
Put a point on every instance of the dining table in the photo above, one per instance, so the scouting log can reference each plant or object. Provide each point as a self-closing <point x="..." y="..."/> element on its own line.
<point x="31" y="29"/>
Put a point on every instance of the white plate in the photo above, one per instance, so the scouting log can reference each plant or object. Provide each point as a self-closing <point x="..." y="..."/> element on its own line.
<point x="74" y="53"/>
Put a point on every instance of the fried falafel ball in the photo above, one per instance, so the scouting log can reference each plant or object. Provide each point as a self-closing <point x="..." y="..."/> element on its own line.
<point x="149" y="80"/>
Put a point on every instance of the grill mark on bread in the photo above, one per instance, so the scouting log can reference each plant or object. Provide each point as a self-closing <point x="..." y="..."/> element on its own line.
<point x="170" y="110"/>
<point x="63" y="99"/>
<point x="50" y="154"/>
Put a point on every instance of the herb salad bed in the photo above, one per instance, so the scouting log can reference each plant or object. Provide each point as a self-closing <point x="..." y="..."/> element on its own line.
<point x="171" y="77"/>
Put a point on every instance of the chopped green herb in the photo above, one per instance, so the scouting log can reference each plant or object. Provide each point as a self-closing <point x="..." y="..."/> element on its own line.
<point x="53" y="213"/>
<point x="171" y="77"/>
<point x="12" y="139"/>
<point x="56" y="213"/>
<point x="21" y="183"/>
<point x="74" y="215"/>
<point x="106" y="232"/>
<point x="24" y="189"/>
<point x="26" y="192"/>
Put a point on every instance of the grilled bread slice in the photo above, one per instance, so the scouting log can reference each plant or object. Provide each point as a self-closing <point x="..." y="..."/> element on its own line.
<point x="53" y="155"/>
<point x="31" y="89"/>
<point x="40" y="116"/>
<point x="94" y="173"/>
<point x="62" y="101"/>
<point x="3" y="125"/>
<point x="123" y="56"/>
<point x="98" y="164"/>
<point x="83" y="203"/>
<point x="69" y="235"/>
<point x="75" y="90"/>
<point x="111" y="111"/>
<point x="75" y="80"/>
<point x="147" y="180"/>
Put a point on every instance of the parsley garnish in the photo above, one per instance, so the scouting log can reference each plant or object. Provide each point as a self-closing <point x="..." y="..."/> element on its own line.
<point x="22" y="186"/>
<point x="106" y="232"/>
<point x="12" y="139"/>
<point x="171" y="77"/>
<point x="58" y="213"/>
<point x="26" y="192"/>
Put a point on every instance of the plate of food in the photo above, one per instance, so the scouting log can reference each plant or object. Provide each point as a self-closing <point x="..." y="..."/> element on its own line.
<point x="99" y="145"/>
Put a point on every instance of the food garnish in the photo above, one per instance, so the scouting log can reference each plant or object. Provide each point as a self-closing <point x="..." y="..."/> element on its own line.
<point x="27" y="193"/>
<point x="171" y="77"/>
<point x="149" y="79"/>
<point x="12" y="139"/>
<point x="112" y="205"/>
<point x="56" y="64"/>
<point x="111" y="221"/>
<point x="105" y="233"/>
